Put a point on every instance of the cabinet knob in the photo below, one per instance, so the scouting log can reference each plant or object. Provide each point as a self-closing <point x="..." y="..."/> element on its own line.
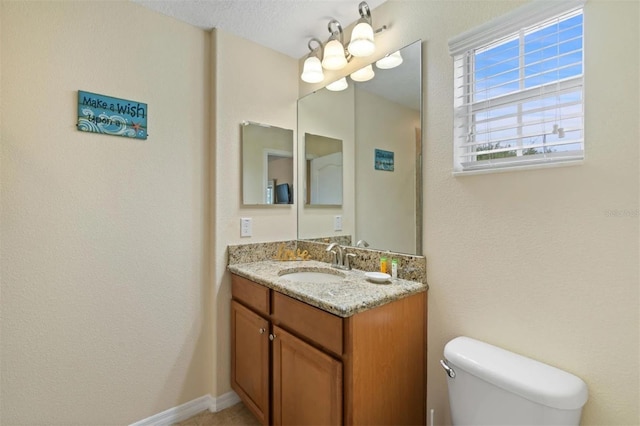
<point x="262" y="330"/>
<point x="272" y="337"/>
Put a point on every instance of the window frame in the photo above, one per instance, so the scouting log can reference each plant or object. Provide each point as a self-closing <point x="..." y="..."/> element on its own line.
<point x="463" y="48"/>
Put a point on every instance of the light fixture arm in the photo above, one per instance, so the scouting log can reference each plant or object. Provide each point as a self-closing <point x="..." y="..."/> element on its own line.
<point x="365" y="12"/>
<point x="337" y="32"/>
<point x="365" y="16"/>
<point x="313" y="50"/>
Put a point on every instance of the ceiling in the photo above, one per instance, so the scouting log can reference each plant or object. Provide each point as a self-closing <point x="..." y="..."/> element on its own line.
<point x="282" y="25"/>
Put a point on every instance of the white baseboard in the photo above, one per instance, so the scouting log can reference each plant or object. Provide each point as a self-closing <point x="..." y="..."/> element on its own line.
<point x="225" y="401"/>
<point x="190" y="409"/>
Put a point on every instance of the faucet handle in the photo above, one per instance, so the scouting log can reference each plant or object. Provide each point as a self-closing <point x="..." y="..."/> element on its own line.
<point x="334" y="257"/>
<point x="347" y="261"/>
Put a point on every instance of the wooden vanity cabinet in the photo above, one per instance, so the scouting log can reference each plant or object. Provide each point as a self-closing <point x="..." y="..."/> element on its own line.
<point x="312" y="367"/>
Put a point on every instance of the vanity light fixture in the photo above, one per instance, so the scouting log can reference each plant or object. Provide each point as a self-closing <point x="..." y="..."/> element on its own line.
<point x="363" y="74"/>
<point x="312" y="68"/>
<point x="334" y="53"/>
<point x="362" y="43"/>
<point x="390" y="61"/>
<point x="335" y="56"/>
<point x="338" y="85"/>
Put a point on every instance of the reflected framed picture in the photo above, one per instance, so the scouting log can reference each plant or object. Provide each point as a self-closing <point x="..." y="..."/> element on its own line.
<point x="383" y="160"/>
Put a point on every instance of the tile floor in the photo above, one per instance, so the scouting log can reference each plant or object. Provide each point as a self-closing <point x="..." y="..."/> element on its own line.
<point x="236" y="415"/>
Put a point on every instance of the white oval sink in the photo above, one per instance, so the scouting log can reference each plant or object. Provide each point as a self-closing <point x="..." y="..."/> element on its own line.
<point x="311" y="276"/>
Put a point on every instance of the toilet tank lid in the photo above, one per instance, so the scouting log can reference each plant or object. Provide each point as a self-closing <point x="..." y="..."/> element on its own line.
<point x="531" y="379"/>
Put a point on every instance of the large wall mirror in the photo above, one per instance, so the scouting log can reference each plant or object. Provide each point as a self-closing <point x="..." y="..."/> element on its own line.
<point x="379" y="125"/>
<point x="267" y="164"/>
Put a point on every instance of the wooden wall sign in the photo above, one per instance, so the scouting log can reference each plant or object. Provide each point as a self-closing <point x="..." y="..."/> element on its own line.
<point x="111" y="116"/>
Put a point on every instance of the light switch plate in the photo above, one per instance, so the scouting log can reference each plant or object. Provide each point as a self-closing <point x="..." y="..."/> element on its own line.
<point x="337" y="223"/>
<point x="245" y="227"/>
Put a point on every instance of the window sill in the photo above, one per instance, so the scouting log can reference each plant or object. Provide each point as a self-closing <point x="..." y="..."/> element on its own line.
<point x="514" y="168"/>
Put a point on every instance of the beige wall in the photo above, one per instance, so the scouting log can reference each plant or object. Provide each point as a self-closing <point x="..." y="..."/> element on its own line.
<point x="541" y="262"/>
<point x="114" y="288"/>
<point x="103" y="239"/>
<point x="240" y="95"/>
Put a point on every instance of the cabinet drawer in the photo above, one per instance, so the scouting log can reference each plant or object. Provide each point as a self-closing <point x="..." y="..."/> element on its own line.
<point x="320" y="327"/>
<point x="251" y="294"/>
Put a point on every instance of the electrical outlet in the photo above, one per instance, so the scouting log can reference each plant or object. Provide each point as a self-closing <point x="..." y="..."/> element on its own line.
<point x="337" y="223"/>
<point x="245" y="227"/>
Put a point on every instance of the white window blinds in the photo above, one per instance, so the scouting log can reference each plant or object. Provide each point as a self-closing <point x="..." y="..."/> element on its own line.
<point x="518" y="94"/>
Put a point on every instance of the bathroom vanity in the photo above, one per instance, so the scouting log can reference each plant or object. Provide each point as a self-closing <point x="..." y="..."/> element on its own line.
<point x="348" y="352"/>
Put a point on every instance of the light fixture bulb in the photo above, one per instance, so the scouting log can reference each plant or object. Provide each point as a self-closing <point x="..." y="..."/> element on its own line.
<point x="390" y="61"/>
<point x="312" y="70"/>
<point x="338" y="85"/>
<point x="362" y="43"/>
<point x="363" y="74"/>
<point x="334" y="58"/>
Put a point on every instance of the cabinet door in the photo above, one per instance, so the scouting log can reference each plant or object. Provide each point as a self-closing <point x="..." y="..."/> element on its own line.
<point x="307" y="383"/>
<point x="250" y="360"/>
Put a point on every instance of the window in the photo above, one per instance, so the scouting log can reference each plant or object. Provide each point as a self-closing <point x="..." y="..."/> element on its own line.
<point x="518" y="94"/>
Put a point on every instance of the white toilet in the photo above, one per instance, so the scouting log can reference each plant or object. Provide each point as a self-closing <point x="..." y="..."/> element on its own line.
<point x="492" y="386"/>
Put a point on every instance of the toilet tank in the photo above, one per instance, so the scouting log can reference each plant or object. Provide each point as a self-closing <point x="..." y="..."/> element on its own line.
<point x="493" y="386"/>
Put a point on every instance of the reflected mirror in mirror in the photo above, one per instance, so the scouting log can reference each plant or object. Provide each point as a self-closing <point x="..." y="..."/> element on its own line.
<point x="323" y="171"/>
<point x="267" y="164"/>
<point x="384" y="206"/>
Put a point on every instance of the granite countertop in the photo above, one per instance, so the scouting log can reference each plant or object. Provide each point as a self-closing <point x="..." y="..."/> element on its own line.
<point x="345" y="297"/>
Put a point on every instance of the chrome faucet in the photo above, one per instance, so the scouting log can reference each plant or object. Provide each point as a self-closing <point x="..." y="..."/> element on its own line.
<point x="341" y="259"/>
<point x="338" y="253"/>
<point x="362" y="243"/>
